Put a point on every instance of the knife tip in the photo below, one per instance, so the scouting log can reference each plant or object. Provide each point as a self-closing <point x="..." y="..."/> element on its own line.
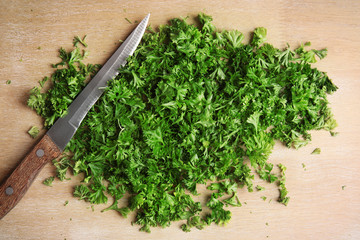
<point x="146" y="19"/>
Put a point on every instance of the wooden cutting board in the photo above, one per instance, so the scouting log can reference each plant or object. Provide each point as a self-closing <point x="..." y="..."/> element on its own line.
<point x="325" y="198"/>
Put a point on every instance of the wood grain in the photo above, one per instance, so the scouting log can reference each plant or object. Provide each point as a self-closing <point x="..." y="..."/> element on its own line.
<point x="16" y="185"/>
<point x="318" y="208"/>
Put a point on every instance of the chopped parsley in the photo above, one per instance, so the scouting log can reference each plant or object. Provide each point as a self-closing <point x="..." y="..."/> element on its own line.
<point x="128" y="20"/>
<point x="316" y="151"/>
<point x="192" y="106"/>
<point x="48" y="181"/>
<point x="334" y="134"/>
<point x="34" y="131"/>
<point x="77" y="40"/>
<point x="304" y="166"/>
<point x="283" y="198"/>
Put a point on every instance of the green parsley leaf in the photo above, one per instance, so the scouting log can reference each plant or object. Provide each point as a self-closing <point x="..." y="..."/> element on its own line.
<point x="254" y="120"/>
<point x="316" y="151"/>
<point x="304" y="167"/>
<point x="48" y="181"/>
<point x="259" y="36"/>
<point x="334" y="134"/>
<point x="233" y="201"/>
<point x="78" y="40"/>
<point x="260" y="188"/>
<point x="128" y="20"/>
<point x="235" y="38"/>
<point x="82" y="192"/>
<point x="62" y="166"/>
<point x="34" y="131"/>
<point x="283" y="198"/>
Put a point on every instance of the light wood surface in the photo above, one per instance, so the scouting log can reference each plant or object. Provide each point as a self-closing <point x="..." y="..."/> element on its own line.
<point x="318" y="209"/>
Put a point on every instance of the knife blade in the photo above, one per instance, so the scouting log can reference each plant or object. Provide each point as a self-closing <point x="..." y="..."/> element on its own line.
<point x="56" y="139"/>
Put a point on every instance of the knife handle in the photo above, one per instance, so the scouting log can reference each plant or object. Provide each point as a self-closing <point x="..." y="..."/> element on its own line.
<point x="16" y="185"/>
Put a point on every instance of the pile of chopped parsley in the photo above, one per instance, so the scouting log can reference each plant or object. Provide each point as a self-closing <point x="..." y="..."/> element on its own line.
<point x="192" y="106"/>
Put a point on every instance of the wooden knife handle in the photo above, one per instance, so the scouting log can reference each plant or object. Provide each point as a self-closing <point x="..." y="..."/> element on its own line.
<point x="16" y="185"/>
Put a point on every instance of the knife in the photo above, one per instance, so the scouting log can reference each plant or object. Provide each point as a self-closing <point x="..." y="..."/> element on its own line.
<point x="55" y="140"/>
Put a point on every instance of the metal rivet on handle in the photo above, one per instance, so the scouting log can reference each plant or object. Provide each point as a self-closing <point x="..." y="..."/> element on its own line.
<point x="40" y="152"/>
<point x="9" y="191"/>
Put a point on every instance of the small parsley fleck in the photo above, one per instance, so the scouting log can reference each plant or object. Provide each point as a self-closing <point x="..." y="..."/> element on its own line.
<point x="316" y="151"/>
<point x="334" y="134"/>
<point x="128" y="20"/>
<point x="34" y="131"/>
<point x="48" y="181"/>
<point x="283" y="198"/>
<point x="78" y="40"/>
<point x="304" y="167"/>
